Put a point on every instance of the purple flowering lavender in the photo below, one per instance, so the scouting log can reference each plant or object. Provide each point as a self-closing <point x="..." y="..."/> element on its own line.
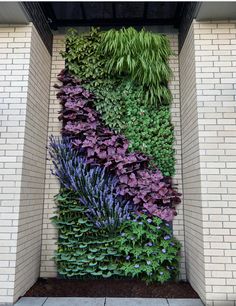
<point x="93" y="187"/>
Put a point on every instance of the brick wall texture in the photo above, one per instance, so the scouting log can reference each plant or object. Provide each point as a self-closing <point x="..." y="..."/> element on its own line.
<point x="49" y="235"/>
<point x="205" y="142"/>
<point x="209" y="159"/>
<point x="49" y="238"/>
<point x="24" y="91"/>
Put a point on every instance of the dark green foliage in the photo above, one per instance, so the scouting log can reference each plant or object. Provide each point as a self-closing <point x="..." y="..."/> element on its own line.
<point x="150" y="250"/>
<point x="142" y="248"/>
<point x="82" y="58"/>
<point x="83" y="249"/>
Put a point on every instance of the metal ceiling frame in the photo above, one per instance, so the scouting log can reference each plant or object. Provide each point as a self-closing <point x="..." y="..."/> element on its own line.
<point x="114" y="21"/>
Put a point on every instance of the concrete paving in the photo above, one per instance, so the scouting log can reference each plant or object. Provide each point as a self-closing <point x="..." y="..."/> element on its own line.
<point x="76" y="301"/>
<point x="135" y="302"/>
<point x="31" y="301"/>
<point x="184" y="302"/>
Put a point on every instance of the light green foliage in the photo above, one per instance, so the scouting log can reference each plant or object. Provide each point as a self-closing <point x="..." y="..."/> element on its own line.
<point x="148" y="129"/>
<point x="143" y="56"/>
<point x="121" y="102"/>
<point x="150" y="250"/>
<point x="152" y="133"/>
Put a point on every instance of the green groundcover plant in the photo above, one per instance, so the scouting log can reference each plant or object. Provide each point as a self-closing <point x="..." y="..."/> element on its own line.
<point x="142" y="247"/>
<point x="149" y="248"/>
<point x="83" y="249"/>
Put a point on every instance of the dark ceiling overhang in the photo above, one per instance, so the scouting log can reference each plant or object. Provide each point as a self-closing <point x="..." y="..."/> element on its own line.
<point x="48" y="16"/>
<point x="72" y="14"/>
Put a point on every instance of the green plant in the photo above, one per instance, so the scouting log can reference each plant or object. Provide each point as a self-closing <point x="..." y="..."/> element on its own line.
<point x="149" y="249"/>
<point x="82" y="58"/>
<point x="126" y="73"/>
<point x="148" y="129"/>
<point x="143" y="56"/>
<point x="152" y="133"/>
<point x="142" y="248"/>
<point x="121" y="102"/>
<point x="83" y="249"/>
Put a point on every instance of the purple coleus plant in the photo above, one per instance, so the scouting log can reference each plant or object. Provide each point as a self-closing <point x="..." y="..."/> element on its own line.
<point x="137" y="181"/>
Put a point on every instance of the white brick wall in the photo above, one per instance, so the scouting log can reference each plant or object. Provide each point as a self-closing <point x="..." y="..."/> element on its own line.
<point x="191" y="168"/>
<point x="24" y="89"/>
<point x="213" y="53"/>
<point x="178" y="223"/>
<point x="49" y="238"/>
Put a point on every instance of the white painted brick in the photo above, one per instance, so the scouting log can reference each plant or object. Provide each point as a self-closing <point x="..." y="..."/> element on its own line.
<point x="15" y="238"/>
<point x="213" y="84"/>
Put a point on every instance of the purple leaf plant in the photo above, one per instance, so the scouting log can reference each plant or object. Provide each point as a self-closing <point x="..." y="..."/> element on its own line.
<point x="146" y="187"/>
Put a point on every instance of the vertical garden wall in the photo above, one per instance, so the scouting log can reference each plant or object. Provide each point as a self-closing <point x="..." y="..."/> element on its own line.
<point x="116" y="157"/>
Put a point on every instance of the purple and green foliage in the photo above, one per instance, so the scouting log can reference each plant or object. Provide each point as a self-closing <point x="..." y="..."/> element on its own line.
<point x="100" y="145"/>
<point x="114" y="205"/>
<point x="92" y="186"/>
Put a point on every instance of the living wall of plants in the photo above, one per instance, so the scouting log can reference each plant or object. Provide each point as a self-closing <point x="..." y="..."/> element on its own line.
<point x="115" y="158"/>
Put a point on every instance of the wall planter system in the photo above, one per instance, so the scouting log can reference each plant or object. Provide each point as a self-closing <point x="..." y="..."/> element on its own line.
<point x="115" y="158"/>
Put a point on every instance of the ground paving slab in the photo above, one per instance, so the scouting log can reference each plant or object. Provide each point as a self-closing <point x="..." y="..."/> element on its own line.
<point x="77" y="301"/>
